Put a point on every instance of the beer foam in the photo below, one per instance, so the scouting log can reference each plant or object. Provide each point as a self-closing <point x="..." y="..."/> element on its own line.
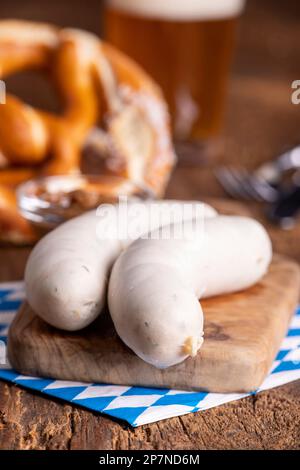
<point x="182" y="10"/>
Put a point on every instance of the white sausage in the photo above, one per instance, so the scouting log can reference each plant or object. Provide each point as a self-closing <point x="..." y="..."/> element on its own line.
<point x="155" y="284"/>
<point x="67" y="271"/>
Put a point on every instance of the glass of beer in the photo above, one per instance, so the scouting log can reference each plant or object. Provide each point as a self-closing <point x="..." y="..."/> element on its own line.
<point x="186" y="45"/>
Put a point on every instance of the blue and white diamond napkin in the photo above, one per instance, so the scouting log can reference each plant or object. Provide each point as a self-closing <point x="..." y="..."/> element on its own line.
<point x="138" y="405"/>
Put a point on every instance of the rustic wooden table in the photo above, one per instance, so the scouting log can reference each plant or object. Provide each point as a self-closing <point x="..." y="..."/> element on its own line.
<point x="261" y="122"/>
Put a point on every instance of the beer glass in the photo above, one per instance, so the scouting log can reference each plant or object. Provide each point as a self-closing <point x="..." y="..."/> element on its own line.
<point x="186" y="45"/>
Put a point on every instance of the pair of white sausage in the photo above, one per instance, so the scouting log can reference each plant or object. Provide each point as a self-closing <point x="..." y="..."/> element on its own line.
<point x="67" y="272"/>
<point x="155" y="283"/>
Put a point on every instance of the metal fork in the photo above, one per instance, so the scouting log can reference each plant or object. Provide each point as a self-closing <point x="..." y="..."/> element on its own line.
<point x="241" y="184"/>
<point x="264" y="183"/>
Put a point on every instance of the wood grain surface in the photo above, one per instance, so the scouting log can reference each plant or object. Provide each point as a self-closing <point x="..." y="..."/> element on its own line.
<point x="261" y="121"/>
<point x="242" y="334"/>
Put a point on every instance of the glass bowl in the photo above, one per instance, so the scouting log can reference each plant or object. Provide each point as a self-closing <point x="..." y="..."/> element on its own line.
<point x="49" y="201"/>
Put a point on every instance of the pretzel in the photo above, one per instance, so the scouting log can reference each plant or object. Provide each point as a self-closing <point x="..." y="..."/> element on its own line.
<point x="96" y="83"/>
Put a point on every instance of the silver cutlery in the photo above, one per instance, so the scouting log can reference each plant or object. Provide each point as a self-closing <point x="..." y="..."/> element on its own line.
<point x="265" y="184"/>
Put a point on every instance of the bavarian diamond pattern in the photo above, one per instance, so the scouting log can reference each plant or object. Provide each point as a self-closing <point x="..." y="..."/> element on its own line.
<point x="138" y="405"/>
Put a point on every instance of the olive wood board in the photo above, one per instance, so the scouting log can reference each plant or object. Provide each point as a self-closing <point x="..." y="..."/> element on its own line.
<point x="242" y="334"/>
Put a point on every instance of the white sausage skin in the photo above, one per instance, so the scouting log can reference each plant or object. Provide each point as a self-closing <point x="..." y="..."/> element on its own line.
<point x="67" y="272"/>
<point x="155" y="284"/>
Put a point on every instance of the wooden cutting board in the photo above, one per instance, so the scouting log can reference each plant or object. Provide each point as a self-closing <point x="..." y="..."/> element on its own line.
<point x="242" y="335"/>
